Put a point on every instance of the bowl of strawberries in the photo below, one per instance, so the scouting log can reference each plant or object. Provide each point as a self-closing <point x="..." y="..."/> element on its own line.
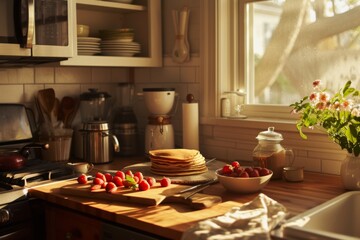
<point x="243" y="179"/>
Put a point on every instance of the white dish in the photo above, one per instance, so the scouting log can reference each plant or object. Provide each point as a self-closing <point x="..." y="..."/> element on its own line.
<point x="120" y="1"/>
<point x="89" y="48"/>
<point x="120" y="48"/>
<point x="88" y="39"/>
<point x="89" y="44"/>
<point x="120" y="42"/>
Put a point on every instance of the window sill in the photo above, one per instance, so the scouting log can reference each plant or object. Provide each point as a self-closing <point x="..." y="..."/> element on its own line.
<point x="252" y="122"/>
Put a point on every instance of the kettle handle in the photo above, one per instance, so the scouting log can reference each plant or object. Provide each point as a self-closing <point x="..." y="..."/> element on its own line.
<point x="115" y="141"/>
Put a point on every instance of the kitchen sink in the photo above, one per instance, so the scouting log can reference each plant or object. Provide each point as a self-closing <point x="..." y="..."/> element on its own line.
<point x="338" y="218"/>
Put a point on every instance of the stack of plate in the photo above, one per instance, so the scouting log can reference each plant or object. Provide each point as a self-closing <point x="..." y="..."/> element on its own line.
<point x="177" y="162"/>
<point x="88" y="45"/>
<point x="119" y="42"/>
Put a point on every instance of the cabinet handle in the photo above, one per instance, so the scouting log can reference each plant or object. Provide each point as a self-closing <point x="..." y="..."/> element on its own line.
<point x="24" y="36"/>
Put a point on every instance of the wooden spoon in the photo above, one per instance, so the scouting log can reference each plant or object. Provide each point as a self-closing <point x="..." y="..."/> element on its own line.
<point x="46" y="98"/>
<point x="67" y="107"/>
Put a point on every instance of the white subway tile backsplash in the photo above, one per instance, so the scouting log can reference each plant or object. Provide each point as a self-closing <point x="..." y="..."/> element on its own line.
<point x="73" y="75"/>
<point x="44" y="75"/>
<point x="169" y="74"/>
<point x="12" y="93"/>
<point x="142" y="75"/>
<point x="100" y="75"/>
<point x="26" y="76"/>
<point x="331" y="167"/>
<point x="4" y="76"/>
<point x="30" y="91"/>
<point x="188" y="74"/>
<point x="120" y="75"/>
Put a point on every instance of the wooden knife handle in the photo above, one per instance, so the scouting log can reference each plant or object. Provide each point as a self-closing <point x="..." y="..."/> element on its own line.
<point x="197" y="201"/>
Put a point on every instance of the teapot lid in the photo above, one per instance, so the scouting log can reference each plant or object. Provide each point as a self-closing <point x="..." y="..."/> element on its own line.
<point x="270" y="135"/>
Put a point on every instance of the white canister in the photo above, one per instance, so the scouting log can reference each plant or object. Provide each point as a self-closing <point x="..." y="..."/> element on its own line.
<point x="225" y="107"/>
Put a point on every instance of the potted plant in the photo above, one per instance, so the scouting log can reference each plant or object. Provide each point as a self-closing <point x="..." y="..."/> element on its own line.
<point x="339" y="116"/>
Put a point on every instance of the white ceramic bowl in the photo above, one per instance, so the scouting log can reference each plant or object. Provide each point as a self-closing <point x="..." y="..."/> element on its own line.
<point x="83" y="30"/>
<point x="243" y="185"/>
<point x="159" y="101"/>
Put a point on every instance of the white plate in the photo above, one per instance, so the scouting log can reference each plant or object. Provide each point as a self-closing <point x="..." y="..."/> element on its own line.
<point x="88" y="39"/>
<point x="120" y="1"/>
<point x="89" y="48"/>
<point x="119" y="48"/>
<point x="120" y="42"/>
<point x="89" y="43"/>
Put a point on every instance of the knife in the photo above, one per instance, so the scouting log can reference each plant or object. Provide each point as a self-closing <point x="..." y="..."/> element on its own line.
<point x="199" y="187"/>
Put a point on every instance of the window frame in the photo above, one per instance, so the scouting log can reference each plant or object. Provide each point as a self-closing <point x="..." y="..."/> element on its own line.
<point x="222" y="27"/>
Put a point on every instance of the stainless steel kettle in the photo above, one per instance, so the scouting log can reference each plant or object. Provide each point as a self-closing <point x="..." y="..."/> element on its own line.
<point x="96" y="142"/>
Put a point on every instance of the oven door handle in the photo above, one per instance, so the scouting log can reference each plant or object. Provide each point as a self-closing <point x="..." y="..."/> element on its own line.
<point x="24" y="32"/>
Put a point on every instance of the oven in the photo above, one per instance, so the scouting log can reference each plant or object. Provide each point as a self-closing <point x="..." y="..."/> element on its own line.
<point x="22" y="217"/>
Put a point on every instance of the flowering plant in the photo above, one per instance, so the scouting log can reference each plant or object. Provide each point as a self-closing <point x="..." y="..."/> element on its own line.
<point x="338" y="115"/>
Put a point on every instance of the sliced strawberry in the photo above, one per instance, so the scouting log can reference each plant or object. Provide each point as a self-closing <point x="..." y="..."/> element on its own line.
<point x="139" y="175"/>
<point x="151" y="181"/>
<point x="95" y="187"/>
<point x="111" y="187"/>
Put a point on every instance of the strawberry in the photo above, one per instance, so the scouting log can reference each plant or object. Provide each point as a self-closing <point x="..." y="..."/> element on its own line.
<point x="235" y="164"/>
<point x="139" y="175"/>
<point x="254" y="173"/>
<point x="95" y="187"/>
<point x="111" y="187"/>
<point x="108" y="177"/>
<point x="227" y="169"/>
<point x="244" y="174"/>
<point x="100" y="175"/>
<point x="82" y="179"/>
<point x="144" y="185"/>
<point x="121" y="174"/>
<point x="151" y="181"/>
<point x="98" y="180"/>
<point x="118" y="181"/>
<point x="264" y="172"/>
<point x="165" y="182"/>
<point x="129" y="173"/>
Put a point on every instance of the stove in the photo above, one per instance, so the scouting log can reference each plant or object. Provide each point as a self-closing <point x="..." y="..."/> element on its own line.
<point x="22" y="217"/>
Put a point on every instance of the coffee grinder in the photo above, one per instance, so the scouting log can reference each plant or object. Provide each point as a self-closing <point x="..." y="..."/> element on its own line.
<point x="159" y="132"/>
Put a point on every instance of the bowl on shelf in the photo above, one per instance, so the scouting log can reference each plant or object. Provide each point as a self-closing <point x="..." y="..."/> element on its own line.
<point x="243" y="185"/>
<point x="83" y="30"/>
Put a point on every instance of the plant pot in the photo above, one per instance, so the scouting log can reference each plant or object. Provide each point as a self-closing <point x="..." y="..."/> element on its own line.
<point x="350" y="172"/>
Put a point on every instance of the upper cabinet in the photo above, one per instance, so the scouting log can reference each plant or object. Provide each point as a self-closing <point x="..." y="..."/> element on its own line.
<point x="111" y="25"/>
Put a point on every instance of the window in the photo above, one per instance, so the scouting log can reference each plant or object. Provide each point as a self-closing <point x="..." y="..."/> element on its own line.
<point x="274" y="49"/>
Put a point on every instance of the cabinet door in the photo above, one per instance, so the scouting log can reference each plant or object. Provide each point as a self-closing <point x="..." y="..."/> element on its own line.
<point x="143" y="16"/>
<point x="65" y="224"/>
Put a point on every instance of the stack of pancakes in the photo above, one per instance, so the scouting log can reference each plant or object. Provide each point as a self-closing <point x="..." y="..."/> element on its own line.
<point x="177" y="162"/>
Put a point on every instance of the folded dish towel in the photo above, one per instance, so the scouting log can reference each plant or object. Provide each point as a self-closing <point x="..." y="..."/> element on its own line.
<point x="253" y="220"/>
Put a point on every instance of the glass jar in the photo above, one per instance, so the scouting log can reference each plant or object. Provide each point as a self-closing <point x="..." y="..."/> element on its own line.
<point x="270" y="154"/>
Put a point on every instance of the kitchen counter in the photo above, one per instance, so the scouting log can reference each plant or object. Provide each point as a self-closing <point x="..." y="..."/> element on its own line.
<point x="171" y="220"/>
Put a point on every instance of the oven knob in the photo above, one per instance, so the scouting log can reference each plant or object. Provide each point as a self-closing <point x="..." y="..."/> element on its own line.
<point x="4" y="216"/>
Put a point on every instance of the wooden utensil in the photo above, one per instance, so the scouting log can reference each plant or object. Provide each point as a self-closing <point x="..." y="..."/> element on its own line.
<point x="46" y="98"/>
<point x="151" y="197"/>
<point x="67" y="108"/>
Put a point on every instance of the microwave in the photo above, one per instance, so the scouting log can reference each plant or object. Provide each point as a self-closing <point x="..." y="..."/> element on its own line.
<point x="35" y="31"/>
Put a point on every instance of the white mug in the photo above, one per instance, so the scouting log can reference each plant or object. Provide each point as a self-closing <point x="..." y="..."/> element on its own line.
<point x="81" y="167"/>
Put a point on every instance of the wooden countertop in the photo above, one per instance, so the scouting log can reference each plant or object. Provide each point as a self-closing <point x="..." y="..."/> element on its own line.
<point x="171" y="220"/>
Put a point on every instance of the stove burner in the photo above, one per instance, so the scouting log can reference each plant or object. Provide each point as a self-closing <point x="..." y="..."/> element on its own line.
<point x="38" y="173"/>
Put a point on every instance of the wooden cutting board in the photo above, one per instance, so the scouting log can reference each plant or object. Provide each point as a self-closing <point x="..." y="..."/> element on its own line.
<point x="152" y="197"/>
